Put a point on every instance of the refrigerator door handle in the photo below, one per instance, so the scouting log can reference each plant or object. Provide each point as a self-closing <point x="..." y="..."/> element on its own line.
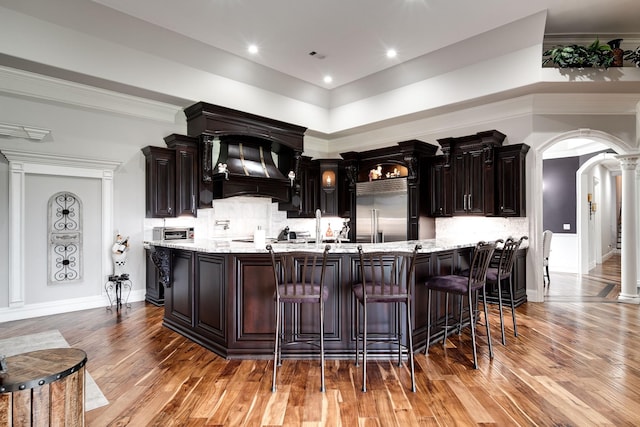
<point x="373" y="225"/>
<point x="464" y="203"/>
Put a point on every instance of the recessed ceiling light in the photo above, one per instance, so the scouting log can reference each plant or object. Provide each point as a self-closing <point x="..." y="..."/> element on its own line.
<point x="252" y="48"/>
<point x="328" y="79"/>
<point x="391" y="53"/>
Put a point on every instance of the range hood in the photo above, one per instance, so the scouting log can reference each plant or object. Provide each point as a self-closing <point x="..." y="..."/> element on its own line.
<point x="245" y="167"/>
<point x="245" y="143"/>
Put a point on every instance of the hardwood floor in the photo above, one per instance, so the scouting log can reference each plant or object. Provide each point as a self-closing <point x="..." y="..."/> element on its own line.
<point x="576" y="362"/>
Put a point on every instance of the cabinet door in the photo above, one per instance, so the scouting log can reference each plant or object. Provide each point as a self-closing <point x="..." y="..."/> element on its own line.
<point x="511" y="180"/>
<point x="186" y="180"/>
<point x="475" y="182"/>
<point x="154" y="289"/>
<point x="179" y="296"/>
<point x="440" y="178"/>
<point x="160" y="180"/>
<point x="468" y="183"/>
<point x="210" y="289"/>
<point x="460" y="187"/>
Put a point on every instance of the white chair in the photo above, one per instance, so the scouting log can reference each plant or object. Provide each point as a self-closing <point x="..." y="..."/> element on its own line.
<point x="546" y="249"/>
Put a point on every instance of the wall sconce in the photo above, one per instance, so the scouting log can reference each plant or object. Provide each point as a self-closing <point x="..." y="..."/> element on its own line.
<point x="292" y="177"/>
<point x="328" y="180"/>
<point x="592" y="205"/>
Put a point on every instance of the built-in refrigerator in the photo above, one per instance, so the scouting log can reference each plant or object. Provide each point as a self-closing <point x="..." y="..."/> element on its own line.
<point x="381" y="210"/>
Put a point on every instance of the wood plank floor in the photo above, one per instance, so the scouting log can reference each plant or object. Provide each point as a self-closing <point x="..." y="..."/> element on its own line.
<point x="576" y="362"/>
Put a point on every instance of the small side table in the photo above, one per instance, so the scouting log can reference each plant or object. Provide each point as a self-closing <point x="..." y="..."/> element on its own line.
<point x="44" y="387"/>
<point x="114" y="286"/>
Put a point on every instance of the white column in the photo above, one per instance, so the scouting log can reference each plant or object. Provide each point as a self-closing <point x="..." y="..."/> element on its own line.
<point x="629" y="291"/>
<point x="16" y="234"/>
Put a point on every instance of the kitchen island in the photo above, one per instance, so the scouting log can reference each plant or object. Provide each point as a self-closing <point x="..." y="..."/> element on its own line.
<point x="219" y="294"/>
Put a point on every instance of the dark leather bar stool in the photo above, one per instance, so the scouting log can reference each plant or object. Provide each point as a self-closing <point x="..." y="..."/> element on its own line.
<point x="299" y="279"/>
<point x="495" y="276"/>
<point x="464" y="285"/>
<point x="385" y="278"/>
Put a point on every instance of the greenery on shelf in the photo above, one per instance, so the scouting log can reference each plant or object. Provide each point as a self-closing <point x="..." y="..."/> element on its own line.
<point x="577" y="56"/>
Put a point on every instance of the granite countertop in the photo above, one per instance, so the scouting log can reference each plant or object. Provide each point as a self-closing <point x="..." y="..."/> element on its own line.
<point x="228" y="246"/>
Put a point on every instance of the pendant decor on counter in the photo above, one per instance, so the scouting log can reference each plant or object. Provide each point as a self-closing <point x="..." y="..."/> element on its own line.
<point x="64" y="238"/>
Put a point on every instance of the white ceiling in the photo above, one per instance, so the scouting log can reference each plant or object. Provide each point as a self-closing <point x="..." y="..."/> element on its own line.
<point x="352" y="36"/>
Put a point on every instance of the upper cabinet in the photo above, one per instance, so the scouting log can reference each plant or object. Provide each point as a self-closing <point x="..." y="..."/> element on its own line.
<point x="510" y="180"/>
<point x="440" y="180"/>
<point x="160" y="167"/>
<point x="476" y="175"/>
<point x="186" y="149"/>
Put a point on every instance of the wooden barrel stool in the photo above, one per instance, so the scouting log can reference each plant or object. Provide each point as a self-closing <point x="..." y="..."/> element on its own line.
<point x="44" y="388"/>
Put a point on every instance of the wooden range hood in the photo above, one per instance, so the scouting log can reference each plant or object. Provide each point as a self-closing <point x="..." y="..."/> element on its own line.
<point x="247" y="142"/>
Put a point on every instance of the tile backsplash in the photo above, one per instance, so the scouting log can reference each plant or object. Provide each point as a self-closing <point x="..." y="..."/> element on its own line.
<point x="239" y="217"/>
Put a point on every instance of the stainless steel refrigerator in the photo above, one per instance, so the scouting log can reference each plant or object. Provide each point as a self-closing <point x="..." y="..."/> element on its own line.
<point x="381" y="210"/>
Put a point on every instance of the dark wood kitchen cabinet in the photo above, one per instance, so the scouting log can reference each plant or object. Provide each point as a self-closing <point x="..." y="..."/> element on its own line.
<point x="472" y="167"/>
<point x="179" y="295"/>
<point x="440" y="182"/>
<point x="154" y="288"/>
<point x="510" y="180"/>
<point x="160" y="167"/>
<point x="469" y="185"/>
<point x="306" y="193"/>
<point x="186" y="183"/>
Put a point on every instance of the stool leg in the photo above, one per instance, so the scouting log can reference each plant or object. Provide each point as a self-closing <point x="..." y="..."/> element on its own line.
<point x="486" y="322"/>
<point x="446" y="319"/>
<point x="504" y="341"/>
<point x="426" y="347"/>
<point x="357" y="332"/>
<point x="473" y="331"/>
<point x="275" y="347"/>
<point x="399" y="326"/>
<point x="364" y="347"/>
<point x="410" y="341"/>
<point x="321" y="344"/>
<point x="513" y="307"/>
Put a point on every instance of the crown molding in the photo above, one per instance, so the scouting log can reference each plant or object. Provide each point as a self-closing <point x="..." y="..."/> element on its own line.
<point x="26" y="132"/>
<point x="19" y="156"/>
<point x="31" y="85"/>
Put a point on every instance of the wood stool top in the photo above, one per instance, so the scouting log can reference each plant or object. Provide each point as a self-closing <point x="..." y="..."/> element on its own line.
<point x="36" y="368"/>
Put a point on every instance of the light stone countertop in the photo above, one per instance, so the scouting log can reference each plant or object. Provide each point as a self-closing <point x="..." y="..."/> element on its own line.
<point x="228" y="246"/>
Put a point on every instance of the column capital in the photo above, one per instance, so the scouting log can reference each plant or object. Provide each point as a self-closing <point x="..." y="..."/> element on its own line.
<point x="628" y="161"/>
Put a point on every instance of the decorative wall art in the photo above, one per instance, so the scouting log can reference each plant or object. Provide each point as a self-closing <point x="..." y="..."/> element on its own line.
<point x="64" y="238"/>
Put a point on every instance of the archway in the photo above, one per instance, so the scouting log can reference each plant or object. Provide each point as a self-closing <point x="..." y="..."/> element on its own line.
<point x="534" y="271"/>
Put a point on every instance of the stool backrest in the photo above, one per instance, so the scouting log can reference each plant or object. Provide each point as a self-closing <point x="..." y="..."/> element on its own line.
<point x="508" y="256"/>
<point x="299" y="271"/>
<point x="482" y="255"/>
<point x="385" y="273"/>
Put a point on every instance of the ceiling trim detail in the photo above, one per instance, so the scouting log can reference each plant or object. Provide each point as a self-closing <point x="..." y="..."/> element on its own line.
<point x="23" y="83"/>
<point x="26" y="132"/>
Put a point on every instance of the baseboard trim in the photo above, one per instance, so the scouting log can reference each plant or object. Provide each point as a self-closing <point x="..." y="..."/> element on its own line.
<point x="8" y="314"/>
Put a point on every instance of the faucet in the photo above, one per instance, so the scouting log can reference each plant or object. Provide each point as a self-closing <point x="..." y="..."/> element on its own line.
<point x="318" y="230"/>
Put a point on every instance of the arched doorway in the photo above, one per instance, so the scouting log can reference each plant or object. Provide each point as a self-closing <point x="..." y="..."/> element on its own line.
<point x="534" y="271"/>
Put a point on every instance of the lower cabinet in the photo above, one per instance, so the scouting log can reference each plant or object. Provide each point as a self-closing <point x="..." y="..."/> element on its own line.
<point x="154" y="289"/>
<point x="210" y="295"/>
<point x="178" y="306"/>
<point x="225" y="303"/>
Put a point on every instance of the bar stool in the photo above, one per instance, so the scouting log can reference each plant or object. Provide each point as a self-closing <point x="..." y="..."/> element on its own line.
<point x="385" y="278"/>
<point x="299" y="279"/>
<point x="464" y="285"/>
<point x="495" y="276"/>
